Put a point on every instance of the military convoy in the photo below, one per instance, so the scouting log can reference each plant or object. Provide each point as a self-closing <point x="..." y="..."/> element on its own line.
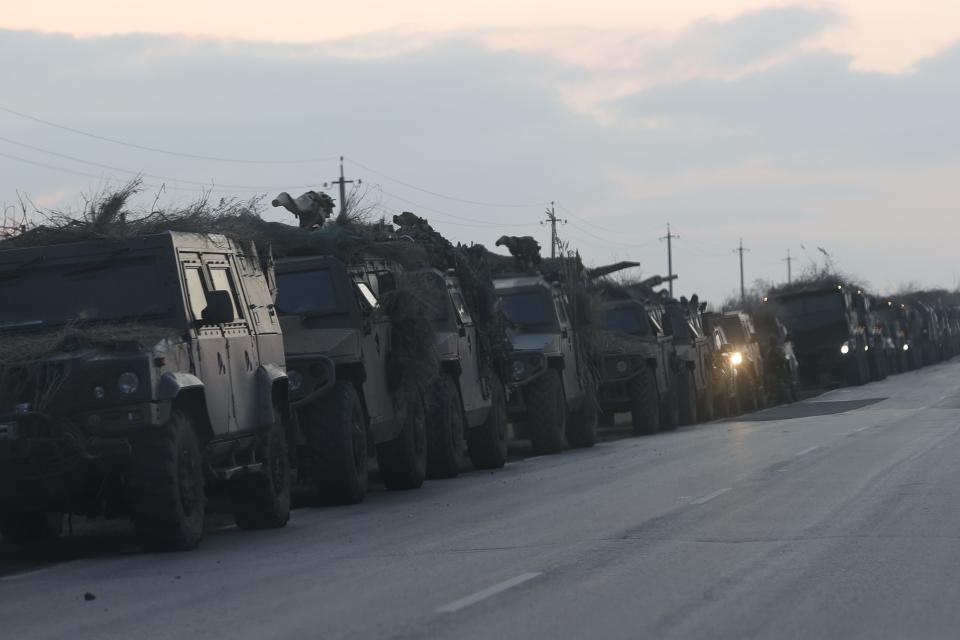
<point x="163" y="374"/>
<point x="139" y="377"/>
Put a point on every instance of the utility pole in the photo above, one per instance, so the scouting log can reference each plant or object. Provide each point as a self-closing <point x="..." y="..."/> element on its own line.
<point x="552" y="219"/>
<point x="743" y="288"/>
<point x="669" y="238"/>
<point x="789" y="261"/>
<point x="343" y="188"/>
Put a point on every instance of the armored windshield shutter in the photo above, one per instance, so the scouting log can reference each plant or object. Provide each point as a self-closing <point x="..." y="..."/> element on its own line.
<point x="196" y="293"/>
<point x="222" y="281"/>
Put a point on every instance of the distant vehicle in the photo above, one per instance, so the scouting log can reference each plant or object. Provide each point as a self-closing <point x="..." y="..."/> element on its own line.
<point x="152" y="373"/>
<point x="891" y="321"/>
<point x="552" y="391"/>
<point x="468" y="408"/>
<point x="724" y="385"/>
<point x="638" y="363"/>
<point x="781" y="367"/>
<point x="345" y="384"/>
<point x="682" y="320"/>
<point x="880" y="351"/>
<point x="744" y="349"/>
<point x="826" y="334"/>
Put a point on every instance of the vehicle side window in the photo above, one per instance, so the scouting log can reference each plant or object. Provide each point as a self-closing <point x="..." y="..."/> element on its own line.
<point x="368" y="295"/>
<point x="196" y="292"/>
<point x="222" y="281"/>
<point x="461" y="307"/>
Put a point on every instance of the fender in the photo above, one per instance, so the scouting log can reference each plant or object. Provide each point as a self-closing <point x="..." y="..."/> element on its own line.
<point x="172" y="383"/>
<point x="267" y="376"/>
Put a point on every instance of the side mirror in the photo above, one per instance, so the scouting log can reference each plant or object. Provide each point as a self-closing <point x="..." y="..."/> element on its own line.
<point x="219" y="309"/>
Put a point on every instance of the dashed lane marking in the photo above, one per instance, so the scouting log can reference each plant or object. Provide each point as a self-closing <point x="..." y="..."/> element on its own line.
<point x="489" y="592"/>
<point x="807" y="450"/>
<point x="710" y="496"/>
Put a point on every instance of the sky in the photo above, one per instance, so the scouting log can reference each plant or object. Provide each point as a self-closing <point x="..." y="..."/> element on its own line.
<point x="791" y="125"/>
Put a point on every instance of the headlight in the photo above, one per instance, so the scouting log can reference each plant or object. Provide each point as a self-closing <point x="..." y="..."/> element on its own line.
<point x="845" y="349"/>
<point x="736" y="358"/>
<point x="294" y="379"/>
<point x="906" y="347"/>
<point x="519" y="369"/>
<point x="621" y="366"/>
<point x="128" y="382"/>
<point x="866" y="347"/>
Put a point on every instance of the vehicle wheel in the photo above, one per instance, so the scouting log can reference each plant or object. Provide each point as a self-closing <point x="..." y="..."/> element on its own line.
<point x="705" y="409"/>
<point x="336" y="433"/>
<point x="165" y="486"/>
<point x="262" y="500"/>
<point x="487" y="443"/>
<point x="746" y="395"/>
<point x="403" y="460"/>
<point x="547" y="413"/>
<point x="582" y="423"/>
<point x="445" y="430"/>
<point x="644" y="405"/>
<point x="31" y="527"/>
<point x="688" y="399"/>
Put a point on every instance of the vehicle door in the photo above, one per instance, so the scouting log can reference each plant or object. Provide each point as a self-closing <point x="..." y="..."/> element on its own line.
<point x="375" y="351"/>
<point x="209" y="350"/>
<point x="471" y="387"/>
<point x="241" y="341"/>
<point x="573" y="369"/>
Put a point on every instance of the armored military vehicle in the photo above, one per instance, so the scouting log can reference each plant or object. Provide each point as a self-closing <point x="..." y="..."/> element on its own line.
<point x="136" y="377"/>
<point x="682" y="321"/>
<point x="724" y="374"/>
<point x="744" y="352"/>
<point x="888" y="318"/>
<point x="638" y="364"/>
<point x="825" y="331"/>
<point x="552" y="394"/>
<point x="355" y="394"/>
<point x="468" y="404"/>
<point x="781" y="367"/>
<point x="879" y="351"/>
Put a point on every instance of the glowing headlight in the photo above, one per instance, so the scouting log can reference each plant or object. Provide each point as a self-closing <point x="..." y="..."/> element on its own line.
<point x="294" y="379"/>
<point x="519" y="369"/>
<point x="736" y="358"/>
<point x="866" y="347"/>
<point x="128" y="382"/>
<point x="906" y="347"/>
<point x="621" y="366"/>
<point x="845" y="349"/>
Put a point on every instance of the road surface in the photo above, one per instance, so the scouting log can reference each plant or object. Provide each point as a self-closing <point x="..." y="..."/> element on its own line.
<point x="836" y="517"/>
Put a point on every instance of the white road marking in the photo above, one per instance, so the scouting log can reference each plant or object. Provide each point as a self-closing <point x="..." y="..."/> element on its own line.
<point x="710" y="496"/>
<point x="861" y="429"/>
<point x="483" y="594"/>
<point x="807" y="450"/>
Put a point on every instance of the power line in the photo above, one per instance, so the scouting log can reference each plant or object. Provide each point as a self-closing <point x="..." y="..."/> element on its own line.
<point x="441" y="195"/>
<point x="669" y="238"/>
<point x="477" y="223"/>
<point x="602" y="228"/>
<point x="743" y="289"/>
<point x="553" y="220"/>
<point x="789" y="262"/>
<point x="168" y="152"/>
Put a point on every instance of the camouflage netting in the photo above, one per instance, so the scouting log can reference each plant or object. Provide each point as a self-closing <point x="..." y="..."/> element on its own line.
<point x="22" y="380"/>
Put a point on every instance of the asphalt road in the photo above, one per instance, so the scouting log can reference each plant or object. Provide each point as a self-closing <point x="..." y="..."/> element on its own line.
<point x="835" y="517"/>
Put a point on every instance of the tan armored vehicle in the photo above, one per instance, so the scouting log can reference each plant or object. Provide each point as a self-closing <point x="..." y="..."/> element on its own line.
<point x="347" y="378"/>
<point x="137" y="376"/>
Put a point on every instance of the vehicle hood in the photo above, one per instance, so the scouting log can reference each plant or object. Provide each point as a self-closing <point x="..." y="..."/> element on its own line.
<point x="538" y="342"/>
<point x="329" y="342"/>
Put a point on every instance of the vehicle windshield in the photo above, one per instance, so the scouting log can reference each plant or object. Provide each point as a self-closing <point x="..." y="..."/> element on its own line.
<point x="630" y="320"/>
<point x="734" y="331"/>
<point x="97" y="291"/>
<point x="306" y="293"/>
<point x="530" y="311"/>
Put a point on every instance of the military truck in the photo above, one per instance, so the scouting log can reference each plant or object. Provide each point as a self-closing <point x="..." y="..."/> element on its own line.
<point x="468" y="407"/>
<point x="781" y="367"/>
<point x="724" y="373"/>
<point x="744" y="351"/>
<point x="638" y="365"/>
<point x="889" y="320"/>
<point x="137" y="377"/>
<point x="552" y="394"/>
<point x="824" y="329"/>
<point x="682" y="321"/>
<point x="879" y="351"/>
<point x="351" y="391"/>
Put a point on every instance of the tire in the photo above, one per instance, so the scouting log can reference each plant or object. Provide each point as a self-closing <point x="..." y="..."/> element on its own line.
<point x="31" y="527"/>
<point x="165" y="486"/>
<point x="688" y="399"/>
<point x="403" y="460"/>
<point x="336" y="434"/>
<point x="644" y="405"/>
<point x="746" y="395"/>
<point x="487" y="443"/>
<point x="262" y="500"/>
<point x="547" y="413"/>
<point x="582" y="423"/>
<point x="445" y="430"/>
